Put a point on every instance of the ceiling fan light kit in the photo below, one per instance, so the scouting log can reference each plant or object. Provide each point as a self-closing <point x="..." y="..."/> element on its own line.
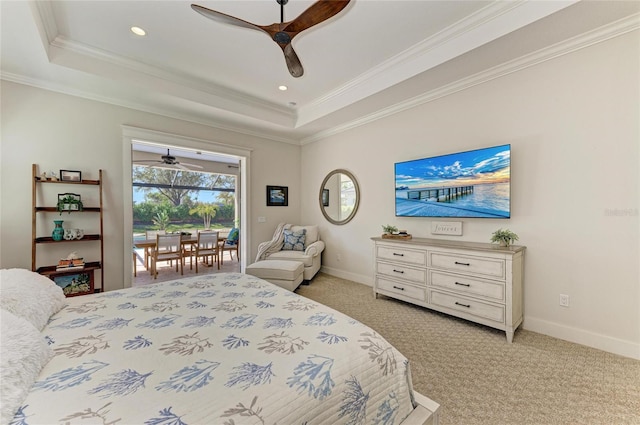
<point x="284" y="32"/>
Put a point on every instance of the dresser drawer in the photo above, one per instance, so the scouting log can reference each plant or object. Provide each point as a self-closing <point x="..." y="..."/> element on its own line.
<point x="401" y="289"/>
<point x="400" y="271"/>
<point x="467" y="285"/>
<point x="408" y="256"/>
<point x="468" y="264"/>
<point x="467" y="306"/>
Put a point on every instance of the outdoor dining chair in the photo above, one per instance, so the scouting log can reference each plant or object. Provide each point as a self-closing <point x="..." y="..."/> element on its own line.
<point x="168" y="248"/>
<point x="208" y="245"/>
<point x="231" y="244"/>
<point x="150" y="235"/>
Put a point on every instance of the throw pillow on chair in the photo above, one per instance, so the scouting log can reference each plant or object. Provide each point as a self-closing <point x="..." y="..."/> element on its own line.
<point x="294" y="241"/>
<point x="234" y="235"/>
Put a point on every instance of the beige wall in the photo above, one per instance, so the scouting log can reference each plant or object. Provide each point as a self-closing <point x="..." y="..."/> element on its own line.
<point x="573" y="126"/>
<point x="57" y="131"/>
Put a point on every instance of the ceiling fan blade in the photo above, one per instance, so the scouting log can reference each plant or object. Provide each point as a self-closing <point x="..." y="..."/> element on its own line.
<point x="282" y="33"/>
<point x="190" y="165"/>
<point x="146" y="160"/>
<point x="318" y="12"/>
<point x="224" y="18"/>
<point x="293" y="62"/>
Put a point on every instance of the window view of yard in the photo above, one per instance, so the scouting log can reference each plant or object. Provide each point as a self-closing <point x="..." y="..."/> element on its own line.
<point x="176" y="200"/>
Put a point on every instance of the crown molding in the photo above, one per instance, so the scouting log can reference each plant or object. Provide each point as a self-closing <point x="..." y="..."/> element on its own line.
<point x="143" y="107"/>
<point x="598" y="35"/>
<point x="71" y="54"/>
<point x="180" y="79"/>
<point x="47" y="19"/>
<point x="258" y="128"/>
<point x="485" y="25"/>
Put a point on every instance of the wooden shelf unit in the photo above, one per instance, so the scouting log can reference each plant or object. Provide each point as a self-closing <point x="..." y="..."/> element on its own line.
<point x="50" y="270"/>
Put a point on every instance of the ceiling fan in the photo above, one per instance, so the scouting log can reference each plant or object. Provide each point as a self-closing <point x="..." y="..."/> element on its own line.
<point x="171" y="160"/>
<point x="282" y="33"/>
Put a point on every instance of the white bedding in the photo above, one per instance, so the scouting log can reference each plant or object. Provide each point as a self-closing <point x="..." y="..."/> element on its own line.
<point x="217" y="349"/>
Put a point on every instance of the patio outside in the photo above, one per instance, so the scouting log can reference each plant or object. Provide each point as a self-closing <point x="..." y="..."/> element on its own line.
<point x="180" y="201"/>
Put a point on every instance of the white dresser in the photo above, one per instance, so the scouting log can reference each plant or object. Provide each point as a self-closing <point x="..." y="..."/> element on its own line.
<point x="479" y="282"/>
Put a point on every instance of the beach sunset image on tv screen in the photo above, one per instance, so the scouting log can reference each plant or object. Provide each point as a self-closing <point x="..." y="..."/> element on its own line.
<point x="466" y="184"/>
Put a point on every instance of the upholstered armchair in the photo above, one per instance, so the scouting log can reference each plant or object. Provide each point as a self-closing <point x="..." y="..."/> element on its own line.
<point x="295" y="243"/>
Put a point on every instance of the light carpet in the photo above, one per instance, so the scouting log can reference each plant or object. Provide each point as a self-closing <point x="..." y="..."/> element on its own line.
<point x="479" y="378"/>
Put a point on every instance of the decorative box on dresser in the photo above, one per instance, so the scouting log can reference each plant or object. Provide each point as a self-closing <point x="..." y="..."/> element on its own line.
<point x="479" y="282"/>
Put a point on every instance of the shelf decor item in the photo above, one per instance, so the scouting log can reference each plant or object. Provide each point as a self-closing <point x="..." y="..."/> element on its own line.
<point x="72" y="262"/>
<point x="75" y="283"/>
<point x="70" y="176"/>
<point x="504" y="237"/>
<point x="58" y="231"/>
<point x="389" y="229"/>
<point x="69" y="202"/>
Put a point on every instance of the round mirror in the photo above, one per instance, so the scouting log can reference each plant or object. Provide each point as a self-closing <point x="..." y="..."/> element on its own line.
<point x="339" y="197"/>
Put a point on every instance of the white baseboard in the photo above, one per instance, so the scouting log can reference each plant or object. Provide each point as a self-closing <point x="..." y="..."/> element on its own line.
<point x="364" y="279"/>
<point x="579" y="336"/>
<point x="583" y="337"/>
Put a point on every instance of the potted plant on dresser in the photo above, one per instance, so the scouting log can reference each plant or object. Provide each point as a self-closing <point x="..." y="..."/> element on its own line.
<point x="504" y="237"/>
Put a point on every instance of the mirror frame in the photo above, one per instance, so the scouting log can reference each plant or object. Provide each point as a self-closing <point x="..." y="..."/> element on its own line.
<point x="357" y="203"/>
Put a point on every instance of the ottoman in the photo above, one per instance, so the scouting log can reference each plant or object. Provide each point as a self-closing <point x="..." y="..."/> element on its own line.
<point x="286" y="274"/>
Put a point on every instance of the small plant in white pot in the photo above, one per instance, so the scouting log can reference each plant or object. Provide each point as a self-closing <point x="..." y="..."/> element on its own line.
<point x="504" y="237"/>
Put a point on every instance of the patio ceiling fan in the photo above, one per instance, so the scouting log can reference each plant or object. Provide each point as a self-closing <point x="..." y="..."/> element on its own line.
<point x="284" y="32"/>
<point x="170" y="160"/>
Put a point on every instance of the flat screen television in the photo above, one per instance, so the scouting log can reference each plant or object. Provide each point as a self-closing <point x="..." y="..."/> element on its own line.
<point x="474" y="183"/>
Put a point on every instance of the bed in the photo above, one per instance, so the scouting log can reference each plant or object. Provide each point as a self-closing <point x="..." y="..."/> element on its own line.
<point x="223" y="349"/>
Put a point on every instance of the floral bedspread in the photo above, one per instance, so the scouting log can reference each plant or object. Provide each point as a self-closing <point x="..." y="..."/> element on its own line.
<point x="216" y="349"/>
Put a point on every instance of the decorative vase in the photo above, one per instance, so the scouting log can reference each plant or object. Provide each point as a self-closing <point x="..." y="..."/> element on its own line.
<point x="504" y="243"/>
<point x="58" y="231"/>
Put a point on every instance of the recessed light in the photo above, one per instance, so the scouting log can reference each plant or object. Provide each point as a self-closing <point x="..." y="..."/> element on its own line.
<point x="282" y="88"/>
<point x="138" y="31"/>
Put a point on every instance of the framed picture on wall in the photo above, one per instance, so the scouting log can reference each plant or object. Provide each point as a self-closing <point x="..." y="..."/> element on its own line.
<point x="325" y="197"/>
<point x="277" y="196"/>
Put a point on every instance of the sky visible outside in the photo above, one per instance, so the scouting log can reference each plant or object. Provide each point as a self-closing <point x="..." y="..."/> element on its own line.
<point x="483" y="166"/>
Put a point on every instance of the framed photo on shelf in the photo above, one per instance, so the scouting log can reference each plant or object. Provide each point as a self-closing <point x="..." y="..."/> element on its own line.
<point x="277" y="196"/>
<point x="325" y="197"/>
<point x="75" y="283"/>
<point x="70" y="176"/>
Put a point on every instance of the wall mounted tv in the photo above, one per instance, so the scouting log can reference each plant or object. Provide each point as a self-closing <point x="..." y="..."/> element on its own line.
<point x="465" y="184"/>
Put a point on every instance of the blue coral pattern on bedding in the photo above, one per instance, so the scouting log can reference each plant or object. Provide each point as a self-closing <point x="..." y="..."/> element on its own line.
<point x="225" y="349"/>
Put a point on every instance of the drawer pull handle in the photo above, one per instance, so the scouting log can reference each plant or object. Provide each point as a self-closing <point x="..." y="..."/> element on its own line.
<point x="398" y="271"/>
<point x="463" y="305"/>
<point x="398" y="255"/>
<point x="397" y="287"/>
<point x="462" y="264"/>
<point x="463" y="284"/>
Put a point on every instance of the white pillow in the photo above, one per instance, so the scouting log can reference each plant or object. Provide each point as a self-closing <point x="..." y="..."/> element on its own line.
<point x="23" y="354"/>
<point x="312" y="233"/>
<point x="30" y="295"/>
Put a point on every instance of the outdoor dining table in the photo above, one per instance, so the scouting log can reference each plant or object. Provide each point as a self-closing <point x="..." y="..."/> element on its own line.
<point x="185" y="240"/>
